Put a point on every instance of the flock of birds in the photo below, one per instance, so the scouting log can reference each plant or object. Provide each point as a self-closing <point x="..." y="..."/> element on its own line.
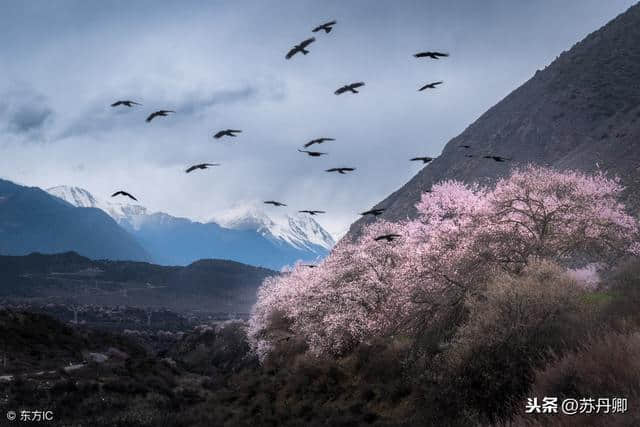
<point x="302" y="48"/>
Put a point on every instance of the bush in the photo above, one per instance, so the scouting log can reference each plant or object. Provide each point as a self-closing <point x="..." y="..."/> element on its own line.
<point x="488" y="366"/>
<point x="603" y="367"/>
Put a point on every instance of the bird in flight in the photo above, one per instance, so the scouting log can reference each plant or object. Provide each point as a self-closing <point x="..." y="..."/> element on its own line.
<point x="430" y="86"/>
<point x="313" y="153"/>
<point x="312" y="212"/>
<point x="274" y="203"/>
<point x="158" y="113"/>
<point x="422" y="159"/>
<point x="226" y="132"/>
<point x="432" y="55"/>
<point x="327" y="27"/>
<point x="341" y="170"/>
<point x="126" y="103"/>
<point x="123" y="193"/>
<point x="317" y="141"/>
<point x="465" y="146"/>
<point x="300" y="48"/>
<point x="388" y="237"/>
<point x="349" y="88"/>
<point x="374" y="212"/>
<point x="497" y="158"/>
<point x="201" y="166"/>
<point x="308" y="265"/>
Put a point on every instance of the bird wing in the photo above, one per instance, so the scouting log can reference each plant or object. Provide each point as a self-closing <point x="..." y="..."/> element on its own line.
<point x="441" y="54"/>
<point x="343" y="89"/>
<point x="310" y="143"/>
<point x="234" y="130"/>
<point x="115" y="104"/>
<point x="327" y="139"/>
<point x="421" y="54"/>
<point x="219" y="134"/>
<point x="292" y="52"/>
<point x="356" y="85"/>
<point x="332" y="170"/>
<point x="191" y="169"/>
<point x="151" y="116"/>
<point x="307" y="42"/>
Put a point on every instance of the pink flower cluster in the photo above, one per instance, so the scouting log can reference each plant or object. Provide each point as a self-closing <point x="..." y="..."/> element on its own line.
<point x="462" y="236"/>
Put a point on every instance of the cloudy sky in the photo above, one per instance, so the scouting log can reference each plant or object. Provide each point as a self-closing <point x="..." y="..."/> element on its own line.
<point x="220" y="64"/>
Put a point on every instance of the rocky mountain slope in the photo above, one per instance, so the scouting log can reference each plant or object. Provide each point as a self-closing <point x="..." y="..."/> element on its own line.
<point x="245" y="235"/>
<point x="581" y="112"/>
<point x="32" y="220"/>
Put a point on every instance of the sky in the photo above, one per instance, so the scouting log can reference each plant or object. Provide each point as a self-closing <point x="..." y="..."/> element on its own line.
<point x="220" y="64"/>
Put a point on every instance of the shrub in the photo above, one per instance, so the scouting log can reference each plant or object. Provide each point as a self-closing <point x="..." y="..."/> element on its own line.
<point x="488" y="366"/>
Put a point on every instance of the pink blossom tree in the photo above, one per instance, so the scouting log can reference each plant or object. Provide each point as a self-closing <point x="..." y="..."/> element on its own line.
<point x="463" y="236"/>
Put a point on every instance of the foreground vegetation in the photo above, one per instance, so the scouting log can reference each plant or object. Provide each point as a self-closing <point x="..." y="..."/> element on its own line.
<point x="489" y="298"/>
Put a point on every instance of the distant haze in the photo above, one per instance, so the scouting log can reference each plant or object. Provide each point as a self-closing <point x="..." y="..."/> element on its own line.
<point x="221" y="65"/>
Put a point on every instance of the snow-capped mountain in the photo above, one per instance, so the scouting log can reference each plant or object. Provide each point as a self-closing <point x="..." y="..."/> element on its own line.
<point x="300" y="231"/>
<point x="81" y="198"/>
<point x="244" y="234"/>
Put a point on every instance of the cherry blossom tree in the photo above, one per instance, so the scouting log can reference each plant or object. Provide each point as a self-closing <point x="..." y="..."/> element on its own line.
<point x="462" y="237"/>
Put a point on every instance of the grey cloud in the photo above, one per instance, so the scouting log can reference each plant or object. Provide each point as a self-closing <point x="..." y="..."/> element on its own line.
<point x="25" y="111"/>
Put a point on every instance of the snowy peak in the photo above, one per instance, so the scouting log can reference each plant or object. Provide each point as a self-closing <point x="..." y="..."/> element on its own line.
<point x="300" y="231"/>
<point x="79" y="197"/>
<point x="76" y="196"/>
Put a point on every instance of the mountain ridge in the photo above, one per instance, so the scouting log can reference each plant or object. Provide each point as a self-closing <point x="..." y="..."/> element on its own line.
<point x="581" y="112"/>
<point x="31" y="220"/>
<point x="247" y="235"/>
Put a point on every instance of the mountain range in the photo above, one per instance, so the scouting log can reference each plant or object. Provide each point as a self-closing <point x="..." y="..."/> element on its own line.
<point x="246" y="234"/>
<point x="32" y="220"/>
<point x="580" y="112"/>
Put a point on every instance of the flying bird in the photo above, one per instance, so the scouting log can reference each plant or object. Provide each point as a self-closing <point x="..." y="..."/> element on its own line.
<point x="308" y="265"/>
<point x="327" y="27"/>
<point x="422" y="159"/>
<point x="123" y="193"/>
<point x="312" y="212"/>
<point x="465" y="146"/>
<point x="158" y="113"/>
<point x="300" y="48"/>
<point x="341" y="170"/>
<point x="430" y="86"/>
<point x="349" y="88"/>
<point x="126" y="103"/>
<point x="274" y="203"/>
<point x="227" y="132"/>
<point x="497" y="158"/>
<point x="388" y="237"/>
<point x="432" y="55"/>
<point x="374" y="212"/>
<point x="317" y="141"/>
<point x="313" y="153"/>
<point x="201" y="166"/>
